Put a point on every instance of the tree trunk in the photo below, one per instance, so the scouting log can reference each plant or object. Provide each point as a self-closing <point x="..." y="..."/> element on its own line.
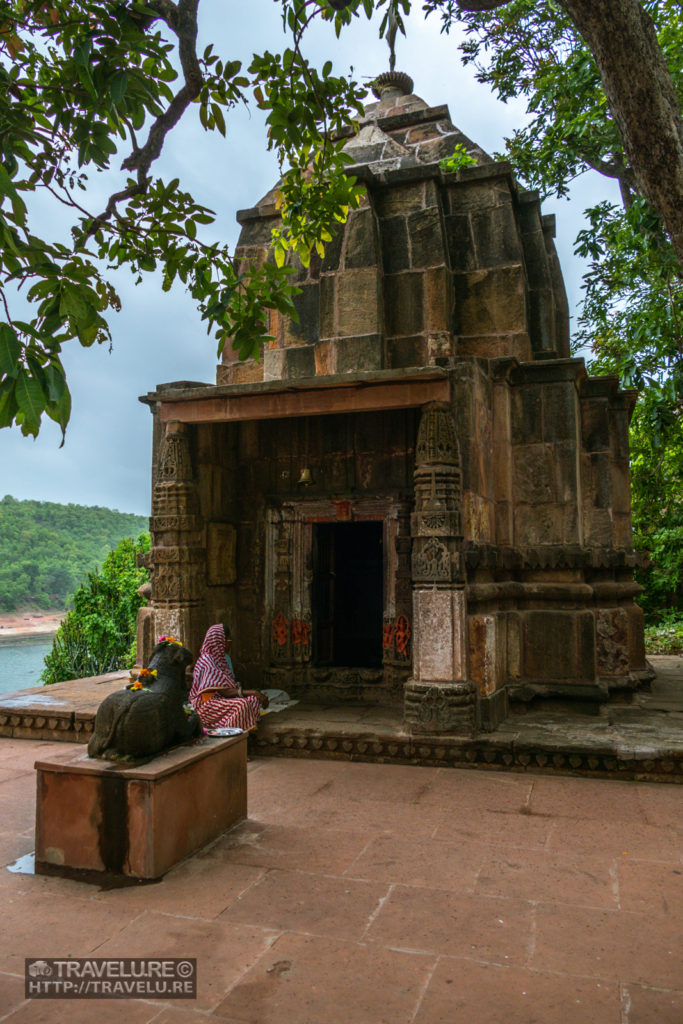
<point x="642" y="98"/>
<point x="641" y="95"/>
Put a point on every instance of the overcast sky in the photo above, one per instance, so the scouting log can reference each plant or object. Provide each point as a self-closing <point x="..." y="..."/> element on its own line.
<point x="158" y="336"/>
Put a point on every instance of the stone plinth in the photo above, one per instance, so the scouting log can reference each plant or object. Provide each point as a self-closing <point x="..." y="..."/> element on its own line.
<point x="97" y="817"/>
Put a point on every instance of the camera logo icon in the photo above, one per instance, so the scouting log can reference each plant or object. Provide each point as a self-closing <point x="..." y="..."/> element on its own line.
<point x="40" y="969"/>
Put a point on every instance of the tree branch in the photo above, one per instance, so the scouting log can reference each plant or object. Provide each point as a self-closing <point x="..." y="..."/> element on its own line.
<point x="141" y="159"/>
<point x="480" y="5"/>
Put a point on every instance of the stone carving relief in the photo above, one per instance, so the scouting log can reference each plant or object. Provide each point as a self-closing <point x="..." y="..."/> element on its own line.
<point x="174" y="458"/>
<point x="612" y="642"/>
<point x="436" y="440"/>
<point x="431" y="561"/>
<point x="439" y="709"/>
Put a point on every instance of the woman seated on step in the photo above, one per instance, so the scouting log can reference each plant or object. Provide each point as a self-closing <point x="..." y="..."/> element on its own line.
<point x="219" y="701"/>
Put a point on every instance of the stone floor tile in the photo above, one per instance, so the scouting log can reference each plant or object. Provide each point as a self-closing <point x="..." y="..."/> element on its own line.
<point x="662" y="805"/>
<point x="370" y="815"/>
<point x="651" y="888"/>
<point x="487" y="791"/>
<point x="188" y="1016"/>
<point x="13" y="845"/>
<point x="49" y="923"/>
<point x="197" y="887"/>
<point x="384" y="782"/>
<point x="224" y="951"/>
<point x="84" y="1011"/>
<point x="551" y="878"/>
<point x="607" y="944"/>
<point x="301" y="902"/>
<point x="464" y="992"/>
<point x="644" y="1005"/>
<point x="18" y="801"/>
<point x="606" y="800"/>
<point x="616" y="839"/>
<point x="426" y="862"/>
<point x="430" y="920"/>
<point x="22" y="754"/>
<point x="289" y="846"/>
<point x="310" y="980"/>
<point x="495" y="828"/>
<point x="11" y="991"/>
<point x="7" y="772"/>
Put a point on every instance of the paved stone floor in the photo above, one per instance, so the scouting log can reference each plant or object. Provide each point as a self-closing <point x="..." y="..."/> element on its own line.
<point x="380" y="894"/>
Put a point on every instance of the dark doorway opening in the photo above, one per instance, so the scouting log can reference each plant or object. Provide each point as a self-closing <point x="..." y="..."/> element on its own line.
<point x="347" y="594"/>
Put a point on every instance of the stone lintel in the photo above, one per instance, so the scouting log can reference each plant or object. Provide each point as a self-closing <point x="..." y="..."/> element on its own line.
<point x="549" y="371"/>
<point x="479" y="172"/>
<point x="281" y="403"/>
<point x="600" y="387"/>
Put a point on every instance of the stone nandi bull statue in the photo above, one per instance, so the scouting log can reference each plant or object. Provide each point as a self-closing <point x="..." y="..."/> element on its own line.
<point x="148" y="716"/>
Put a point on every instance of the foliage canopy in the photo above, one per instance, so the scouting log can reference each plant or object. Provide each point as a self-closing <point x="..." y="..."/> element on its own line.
<point x="98" y="634"/>
<point x="46" y="549"/>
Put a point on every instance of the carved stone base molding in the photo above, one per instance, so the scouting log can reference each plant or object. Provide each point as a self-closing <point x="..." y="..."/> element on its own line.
<point x="440" y="708"/>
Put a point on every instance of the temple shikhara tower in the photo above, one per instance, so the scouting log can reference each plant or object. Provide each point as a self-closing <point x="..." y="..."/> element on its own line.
<point x="415" y="498"/>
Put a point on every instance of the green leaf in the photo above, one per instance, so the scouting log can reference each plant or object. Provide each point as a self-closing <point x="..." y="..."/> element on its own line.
<point x="31" y="402"/>
<point x="10" y="351"/>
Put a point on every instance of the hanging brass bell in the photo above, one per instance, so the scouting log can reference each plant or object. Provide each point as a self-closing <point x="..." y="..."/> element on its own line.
<point x="306" y="478"/>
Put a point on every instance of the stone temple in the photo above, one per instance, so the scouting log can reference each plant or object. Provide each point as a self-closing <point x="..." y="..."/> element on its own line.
<point x="415" y="498"/>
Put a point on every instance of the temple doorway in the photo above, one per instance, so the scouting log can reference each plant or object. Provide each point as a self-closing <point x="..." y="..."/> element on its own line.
<point x="347" y="594"/>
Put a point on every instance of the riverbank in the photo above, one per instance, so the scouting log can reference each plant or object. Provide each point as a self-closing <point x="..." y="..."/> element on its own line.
<point x="29" y="626"/>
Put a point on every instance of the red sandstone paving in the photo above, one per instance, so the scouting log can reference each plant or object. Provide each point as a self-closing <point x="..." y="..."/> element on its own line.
<point x="478" y="790"/>
<point x="603" y="800"/>
<point x="14" y="845"/>
<point x="430" y="920"/>
<point x="662" y="805"/>
<point x="421" y="862"/>
<point x="650" y="888"/>
<point x="313" y="904"/>
<point x="642" y="948"/>
<point x="56" y="926"/>
<point x="644" y="1005"/>
<point x="11" y="992"/>
<point x="616" y="839"/>
<point x="196" y="888"/>
<point x="418" y="869"/>
<point x="464" y="992"/>
<point x="308" y="980"/>
<point x="72" y="1011"/>
<point x="496" y="828"/>
<point x="374" y="816"/>
<point x="549" y="877"/>
<point x="289" y="846"/>
<point x="15" y="807"/>
<point x="224" y="950"/>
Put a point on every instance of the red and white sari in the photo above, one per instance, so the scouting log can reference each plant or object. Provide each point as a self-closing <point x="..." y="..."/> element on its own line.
<point x="212" y="676"/>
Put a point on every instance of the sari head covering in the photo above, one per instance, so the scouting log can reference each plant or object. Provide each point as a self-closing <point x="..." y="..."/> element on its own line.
<point x="211" y="670"/>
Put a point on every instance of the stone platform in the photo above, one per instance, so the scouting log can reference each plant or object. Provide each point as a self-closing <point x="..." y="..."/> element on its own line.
<point x="642" y="738"/>
<point x="101" y="818"/>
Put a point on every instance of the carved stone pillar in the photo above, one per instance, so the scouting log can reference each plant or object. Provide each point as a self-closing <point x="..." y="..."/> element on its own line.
<point x="178" y="555"/>
<point x="439" y="698"/>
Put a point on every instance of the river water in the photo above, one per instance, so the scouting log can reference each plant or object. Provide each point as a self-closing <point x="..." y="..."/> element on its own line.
<point x="21" y="664"/>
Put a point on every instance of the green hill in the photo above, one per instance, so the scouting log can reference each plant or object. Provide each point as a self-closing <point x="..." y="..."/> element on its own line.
<point x="47" y="549"/>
